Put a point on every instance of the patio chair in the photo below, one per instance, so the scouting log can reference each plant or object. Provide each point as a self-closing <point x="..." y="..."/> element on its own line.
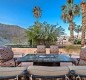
<point x="7" y="57"/>
<point x="41" y="49"/>
<point x="47" y="72"/>
<point x="54" y="49"/>
<point x="82" y="59"/>
<point x="12" y="73"/>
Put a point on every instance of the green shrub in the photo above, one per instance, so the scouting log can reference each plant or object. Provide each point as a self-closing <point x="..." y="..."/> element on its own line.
<point x="77" y="41"/>
<point x="72" y="47"/>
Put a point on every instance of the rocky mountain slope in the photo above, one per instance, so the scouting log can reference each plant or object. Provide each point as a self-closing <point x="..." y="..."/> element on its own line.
<point x="12" y="34"/>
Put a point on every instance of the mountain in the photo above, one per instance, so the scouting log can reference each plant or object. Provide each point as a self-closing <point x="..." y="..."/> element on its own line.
<point x="12" y="34"/>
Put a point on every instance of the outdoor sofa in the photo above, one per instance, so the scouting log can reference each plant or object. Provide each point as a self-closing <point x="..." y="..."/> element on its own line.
<point x="64" y="72"/>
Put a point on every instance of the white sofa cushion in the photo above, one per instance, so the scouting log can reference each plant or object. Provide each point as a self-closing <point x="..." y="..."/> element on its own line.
<point x="47" y="71"/>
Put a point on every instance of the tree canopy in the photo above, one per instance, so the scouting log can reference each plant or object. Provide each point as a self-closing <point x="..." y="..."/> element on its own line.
<point x="70" y="10"/>
<point x="43" y="33"/>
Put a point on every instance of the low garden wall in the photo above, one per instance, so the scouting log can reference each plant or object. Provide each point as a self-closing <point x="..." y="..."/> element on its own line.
<point x="32" y="50"/>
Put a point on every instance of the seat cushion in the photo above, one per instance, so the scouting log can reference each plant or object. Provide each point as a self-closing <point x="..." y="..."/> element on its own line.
<point x="47" y="71"/>
<point x="8" y="72"/>
<point x="5" y="54"/>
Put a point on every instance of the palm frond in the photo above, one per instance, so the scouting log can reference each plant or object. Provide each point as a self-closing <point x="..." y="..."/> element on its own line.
<point x="37" y="12"/>
<point x="70" y="10"/>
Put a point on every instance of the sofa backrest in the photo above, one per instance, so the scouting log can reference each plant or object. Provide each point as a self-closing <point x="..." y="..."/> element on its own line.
<point x="44" y="71"/>
<point x="59" y="72"/>
<point x="48" y="71"/>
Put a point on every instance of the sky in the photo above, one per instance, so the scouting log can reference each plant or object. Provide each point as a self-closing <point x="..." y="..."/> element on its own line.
<point x="19" y="12"/>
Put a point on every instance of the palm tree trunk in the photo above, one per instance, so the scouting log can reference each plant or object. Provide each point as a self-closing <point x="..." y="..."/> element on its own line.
<point x="71" y="32"/>
<point x="83" y="23"/>
<point x="83" y="38"/>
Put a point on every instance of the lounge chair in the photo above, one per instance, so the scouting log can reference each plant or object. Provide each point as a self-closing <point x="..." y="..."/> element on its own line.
<point x="54" y="49"/>
<point x="12" y="72"/>
<point x="7" y="57"/>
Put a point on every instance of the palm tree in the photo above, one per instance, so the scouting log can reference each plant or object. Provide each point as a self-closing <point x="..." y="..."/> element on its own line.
<point x="69" y="11"/>
<point x="37" y="12"/>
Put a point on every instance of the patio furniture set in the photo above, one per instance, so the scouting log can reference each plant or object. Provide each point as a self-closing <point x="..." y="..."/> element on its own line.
<point x="42" y="62"/>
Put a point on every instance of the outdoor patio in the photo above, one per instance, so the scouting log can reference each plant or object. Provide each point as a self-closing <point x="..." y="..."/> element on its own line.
<point x="43" y="50"/>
